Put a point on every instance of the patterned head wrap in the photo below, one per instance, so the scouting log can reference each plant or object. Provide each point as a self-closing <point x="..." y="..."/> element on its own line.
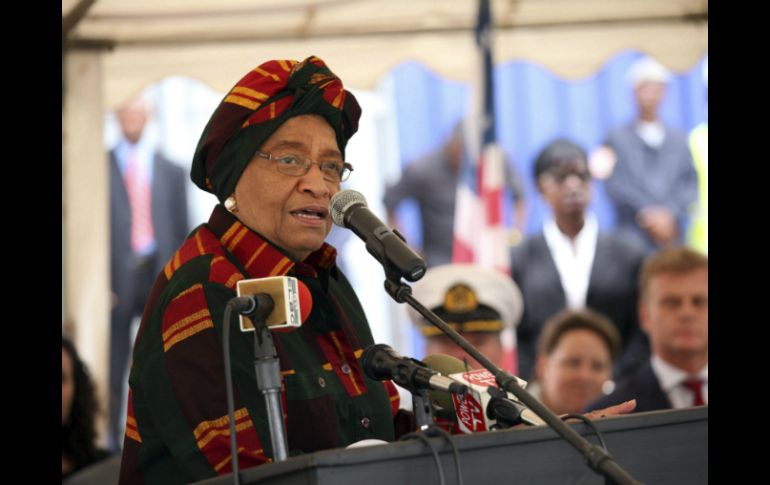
<point x="257" y="105"/>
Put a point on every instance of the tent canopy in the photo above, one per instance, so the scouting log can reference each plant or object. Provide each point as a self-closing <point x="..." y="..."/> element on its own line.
<point x="217" y="41"/>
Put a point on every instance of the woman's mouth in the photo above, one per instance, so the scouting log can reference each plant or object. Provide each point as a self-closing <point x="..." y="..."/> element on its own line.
<point x="312" y="215"/>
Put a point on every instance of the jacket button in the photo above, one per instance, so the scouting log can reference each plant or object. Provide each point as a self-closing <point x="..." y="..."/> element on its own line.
<point x="365" y="422"/>
<point x="321" y="382"/>
<point x="346" y="369"/>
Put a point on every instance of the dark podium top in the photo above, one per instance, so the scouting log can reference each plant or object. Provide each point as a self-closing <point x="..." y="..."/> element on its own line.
<point x="658" y="447"/>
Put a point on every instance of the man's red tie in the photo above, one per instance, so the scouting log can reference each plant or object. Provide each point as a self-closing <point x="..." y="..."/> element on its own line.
<point x="138" y="188"/>
<point x="696" y="386"/>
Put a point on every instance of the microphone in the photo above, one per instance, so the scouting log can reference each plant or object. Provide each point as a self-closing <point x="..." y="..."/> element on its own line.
<point x="348" y="209"/>
<point x="290" y="299"/>
<point x="485" y="406"/>
<point x="381" y="362"/>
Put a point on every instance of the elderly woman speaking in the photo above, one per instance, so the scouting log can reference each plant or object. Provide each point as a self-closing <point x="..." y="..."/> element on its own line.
<point x="273" y="153"/>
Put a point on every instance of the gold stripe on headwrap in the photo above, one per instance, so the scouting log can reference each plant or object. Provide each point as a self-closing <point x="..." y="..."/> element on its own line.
<point x="252" y="92"/>
<point x="259" y="70"/>
<point x="241" y="101"/>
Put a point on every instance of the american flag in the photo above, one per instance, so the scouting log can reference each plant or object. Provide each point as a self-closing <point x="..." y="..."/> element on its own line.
<point x="479" y="232"/>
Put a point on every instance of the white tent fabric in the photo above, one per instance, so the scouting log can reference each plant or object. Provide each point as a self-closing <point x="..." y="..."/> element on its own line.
<point x="216" y="41"/>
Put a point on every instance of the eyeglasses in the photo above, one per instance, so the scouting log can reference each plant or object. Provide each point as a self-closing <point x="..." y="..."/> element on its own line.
<point x="333" y="170"/>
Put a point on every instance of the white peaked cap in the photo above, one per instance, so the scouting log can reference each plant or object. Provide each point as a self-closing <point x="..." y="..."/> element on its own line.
<point x="647" y="69"/>
<point x="491" y="287"/>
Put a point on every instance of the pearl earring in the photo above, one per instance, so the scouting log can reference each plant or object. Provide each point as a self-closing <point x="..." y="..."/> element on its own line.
<point x="231" y="205"/>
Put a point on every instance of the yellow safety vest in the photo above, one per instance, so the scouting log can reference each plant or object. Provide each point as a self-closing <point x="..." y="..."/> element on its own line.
<point x="698" y="236"/>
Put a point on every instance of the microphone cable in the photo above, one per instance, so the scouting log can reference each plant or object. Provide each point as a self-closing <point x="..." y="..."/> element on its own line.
<point x="441" y="432"/>
<point x="590" y="424"/>
<point x="420" y="436"/>
<point x="432" y="432"/>
<point x="230" y="399"/>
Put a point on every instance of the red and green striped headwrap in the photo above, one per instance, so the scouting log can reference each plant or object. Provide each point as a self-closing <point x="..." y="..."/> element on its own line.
<point x="257" y="105"/>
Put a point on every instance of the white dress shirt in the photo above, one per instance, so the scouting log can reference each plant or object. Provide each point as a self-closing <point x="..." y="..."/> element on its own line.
<point x="651" y="132"/>
<point x="573" y="258"/>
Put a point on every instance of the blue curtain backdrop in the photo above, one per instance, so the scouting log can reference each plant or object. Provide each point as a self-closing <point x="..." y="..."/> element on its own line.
<point x="534" y="106"/>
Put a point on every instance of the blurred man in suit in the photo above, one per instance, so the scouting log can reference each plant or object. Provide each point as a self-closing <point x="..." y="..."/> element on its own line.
<point x="432" y="181"/>
<point x="673" y="311"/>
<point x="148" y="221"/>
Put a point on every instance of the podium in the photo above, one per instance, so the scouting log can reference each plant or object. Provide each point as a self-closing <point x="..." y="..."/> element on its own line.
<point x="656" y="448"/>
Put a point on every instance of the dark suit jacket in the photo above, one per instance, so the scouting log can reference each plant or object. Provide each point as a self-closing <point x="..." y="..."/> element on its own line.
<point x="643" y="386"/>
<point x="612" y="290"/>
<point x="169" y="219"/>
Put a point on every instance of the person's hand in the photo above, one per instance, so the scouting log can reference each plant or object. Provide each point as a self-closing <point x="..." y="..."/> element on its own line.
<point x="617" y="409"/>
<point x="659" y="222"/>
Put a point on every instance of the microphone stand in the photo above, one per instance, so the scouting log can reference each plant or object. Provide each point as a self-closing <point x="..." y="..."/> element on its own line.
<point x="598" y="459"/>
<point x="422" y="412"/>
<point x="268" y="370"/>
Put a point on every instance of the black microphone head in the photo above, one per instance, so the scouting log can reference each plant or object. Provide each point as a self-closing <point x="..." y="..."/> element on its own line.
<point x="341" y="202"/>
<point x="373" y="360"/>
